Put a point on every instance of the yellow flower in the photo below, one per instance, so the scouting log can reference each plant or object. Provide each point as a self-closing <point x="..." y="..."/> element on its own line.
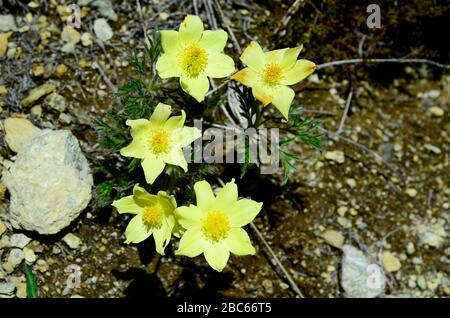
<point x="159" y="140"/>
<point x="270" y="73"/>
<point x="192" y="54"/>
<point x="154" y="215"/>
<point x="214" y="226"/>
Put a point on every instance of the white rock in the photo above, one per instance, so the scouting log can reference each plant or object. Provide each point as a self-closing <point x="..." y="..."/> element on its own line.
<point x="432" y="234"/>
<point x="359" y="277"/>
<point x="436" y="111"/>
<point x="7" y="288"/>
<point x="86" y="39"/>
<point x="433" y="149"/>
<point x="335" y="155"/>
<point x="334" y="238"/>
<point x="15" y="257"/>
<point x="7" y="23"/>
<point x="351" y="182"/>
<point x="70" y="34"/>
<point x="72" y="240"/>
<point x="50" y="182"/>
<point x="102" y="30"/>
<point x="105" y="7"/>
<point x="411" y="192"/>
<point x="410" y="249"/>
<point x="56" y="102"/>
<point x="30" y="256"/>
<point x="19" y="240"/>
<point x="18" y="132"/>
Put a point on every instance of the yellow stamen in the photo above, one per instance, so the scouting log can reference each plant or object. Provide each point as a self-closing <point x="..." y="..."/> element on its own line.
<point x="159" y="142"/>
<point x="153" y="216"/>
<point x="193" y="60"/>
<point x="216" y="226"/>
<point x="272" y="74"/>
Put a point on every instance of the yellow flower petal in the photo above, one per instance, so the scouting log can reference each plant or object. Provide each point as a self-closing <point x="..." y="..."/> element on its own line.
<point x="189" y="217"/>
<point x="219" y="65"/>
<point x="160" y="115"/>
<point x="168" y="66"/>
<point x="197" y="87"/>
<point x="176" y="158"/>
<point x="204" y="194"/>
<point x="301" y="70"/>
<point x="290" y="57"/>
<point x="136" y="149"/>
<point x="214" y="41"/>
<point x="239" y="243"/>
<point x="175" y="122"/>
<point x="152" y="168"/>
<point x="169" y="41"/>
<point x="246" y="76"/>
<point x="275" y="56"/>
<point x="127" y="205"/>
<point x="185" y="136"/>
<point x="136" y="230"/>
<point x="283" y="99"/>
<point x="142" y="197"/>
<point x="162" y="237"/>
<point x="217" y="255"/>
<point x="192" y="243"/>
<point x="228" y="195"/>
<point x="253" y="56"/>
<point x="243" y="212"/>
<point x="191" y="29"/>
<point x="261" y="94"/>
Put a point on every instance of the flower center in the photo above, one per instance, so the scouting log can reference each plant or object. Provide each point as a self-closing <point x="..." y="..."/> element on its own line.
<point x="272" y="74"/>
<point x="216" y="226"/>
<point x="159" y="142"/>
<point x="193" y="60"/>
<point x="153" y="216"/>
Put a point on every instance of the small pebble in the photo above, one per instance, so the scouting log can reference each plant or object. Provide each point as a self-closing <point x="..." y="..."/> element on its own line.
<point x="436" y="111"/>
<point x="336" y="155"/>
<point x="390" y="262"/>
<point x="411" y="192"/>
<point x="72" y="241"/>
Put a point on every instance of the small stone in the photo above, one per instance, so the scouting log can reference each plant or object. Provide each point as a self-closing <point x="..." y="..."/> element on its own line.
<point x="69" y="34"/>
<point x="351" y="183"/>
<point x="342" y="210"/>
<point x="344" y="222"/>
<point x="268" y="285"/>
<point x="360" y="278"/>
<point x="72" y="241"/>
<point x="432" y="234"/>
<point x="433" y="149"/>
<point x="42" y="266"/>
<point x="4" y="43"/>
<point x="410" y="248"/>
<point x="102" y="30"/>
<point x="334" y="238"/>
<point x="2" y="228"/>
<point x="65" y="118"/>
<point x="86" y="39"/>
<point x="336" y="155"/>
<point x="37" y="93"/>
<point x="36" y="111"/>
<point x="390" y="262"/>
<point x="15" y="257"/>
<point x="353" y="212"/>
<point x="56" y="250"/>
<point x="431" y="94"/>
<point x="7" y="288"/>
<point x="30" y="256"/>
<point x="163" y="16"/>
<point x="421" y="282"/>
<point x="21" y="290"/>
<point x="60" y="70"/>
<point x="18" y="132"/>
<point x="37" y="70"/>
<point x="7" y="23"/>
<point x="436" y="111"/>
<point x="411" y="192"/>
<point x="19" y="240"/>
<point x="284" y="286"/>
<point x="3" y="91"/>
<point x="56" y="102"/>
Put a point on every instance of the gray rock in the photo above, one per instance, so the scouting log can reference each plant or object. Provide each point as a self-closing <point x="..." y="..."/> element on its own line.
<point x="7" y="288"/>
<point x="359" y="277"/>
<point x="104" y="7"/>
<point x="19" y="240"/>
<point x="102" y="30"/>
<point x="15" y="257"/>
<point x="50" y="182"/>
<point x="56" y="102"/>
<point x="7" y="23"/>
